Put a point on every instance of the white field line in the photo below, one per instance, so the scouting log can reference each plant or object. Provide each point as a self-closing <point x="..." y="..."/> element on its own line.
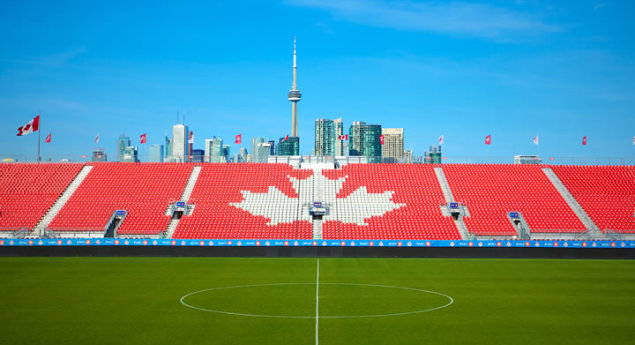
<point x="450" y="302"/>
<point x="317" y="300"/>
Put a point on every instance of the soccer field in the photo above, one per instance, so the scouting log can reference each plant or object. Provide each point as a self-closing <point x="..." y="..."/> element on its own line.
<point x="276" y="300"/>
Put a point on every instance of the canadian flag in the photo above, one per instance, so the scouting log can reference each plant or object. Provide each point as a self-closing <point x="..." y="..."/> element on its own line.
<point x="190" y="139"/>
<point x="536" y="140"/>
<point x="343" y="137"/>
<point x="238" y="139"/>
<point x="381" y="139"/>
<point x="441" y="140"/>
<point x="48" y="138"/>
<point x="286" y="138"/>
<point x="488" y="140"/>
<point x="143" y="138"/>
<point x="97" y="139"/>
<point x="30" y="127"/>
<point x="584" y="140"/>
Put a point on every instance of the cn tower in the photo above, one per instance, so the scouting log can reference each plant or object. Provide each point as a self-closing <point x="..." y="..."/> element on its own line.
<point x="294" y="97"/>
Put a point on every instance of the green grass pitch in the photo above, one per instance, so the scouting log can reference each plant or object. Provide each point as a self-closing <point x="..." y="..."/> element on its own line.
<point x="137" y="301"/>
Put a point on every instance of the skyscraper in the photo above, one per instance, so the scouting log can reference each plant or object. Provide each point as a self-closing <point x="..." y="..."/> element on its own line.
<point x="294" y="97"/>
<point x="197" y="155"/>
<point x="130" y="154"/>
<point x="156" y="153"/>
<point x="168" y="147"/>
<point x="289" y="147"/>
<point x="226" y="153"/>
<point x="324" y="137"/>
<point x="364" y="141"/>
<point x="179" y="143"/>
<point x="214" y="150"/>
<point x="392" y="150"/>
<point x="254" y="151"/>
<point x="242" y="154"/>
<point x="190" y="145"/>
<point x="122" y="142"/>
<point x="339" y="143"/>
<point x="263" y="151"/>
<point x="99" y="156"/>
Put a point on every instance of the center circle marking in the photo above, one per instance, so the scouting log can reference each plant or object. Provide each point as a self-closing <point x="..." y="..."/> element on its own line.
<point x="450" y="302"/>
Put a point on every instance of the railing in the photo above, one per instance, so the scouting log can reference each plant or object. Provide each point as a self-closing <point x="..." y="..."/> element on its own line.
<point x="16" y="232"/>
<point x="557" y="234"/>
<point x="450" y="159"/>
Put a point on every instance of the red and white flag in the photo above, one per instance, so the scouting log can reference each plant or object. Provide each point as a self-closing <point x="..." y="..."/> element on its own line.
<point x="30" y="127"/>
<point x="381" y="139"/>
<point x="536" y="140"/>
<point x="190" y="139"/>
<point x="48" y="138"/>
<point x="238" y="139"/>
<point x="343" y="137"/>
<point x="143" y="138"/>
<point x="488" y="140"/>
<point x="441" y="138"/>
<point x="584" y="140"/>
<point x="633" y="140"/>
<point x="97" y="139"/>
<point x="286" y="138"/>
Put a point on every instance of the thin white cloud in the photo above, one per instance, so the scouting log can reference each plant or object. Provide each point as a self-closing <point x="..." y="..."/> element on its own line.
<point x="456" y="18"/>
<point x="599" y="5"/>
<point x="49" y="60"/>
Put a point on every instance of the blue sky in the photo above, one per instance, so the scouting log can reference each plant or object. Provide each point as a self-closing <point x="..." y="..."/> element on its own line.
<point x="510" y="68"/>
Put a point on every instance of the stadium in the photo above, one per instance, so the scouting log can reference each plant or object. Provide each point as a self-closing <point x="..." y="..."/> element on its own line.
<point x="293" y="248"/>
<point x="516" y="226"/>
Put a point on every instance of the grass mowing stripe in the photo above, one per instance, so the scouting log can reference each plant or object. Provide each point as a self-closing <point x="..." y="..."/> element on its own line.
<point x="135" y="300"/>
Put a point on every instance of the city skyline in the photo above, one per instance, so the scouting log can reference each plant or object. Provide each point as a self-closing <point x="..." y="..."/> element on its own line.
<point x="558" y="71"/>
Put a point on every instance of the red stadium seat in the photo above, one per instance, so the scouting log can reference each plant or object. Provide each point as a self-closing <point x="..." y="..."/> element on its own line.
<point x="491" y="191"/>
<point x="28" y="190"/>
<point x="607" y="194"/>
<point x="143" y="189"/>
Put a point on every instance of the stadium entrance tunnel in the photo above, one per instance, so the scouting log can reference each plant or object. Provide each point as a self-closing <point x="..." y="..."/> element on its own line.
<point x="114" y="223"/>
<point x="178" y="209"/>
<point x="520" y="224"/>
<point x="177" y="215"/>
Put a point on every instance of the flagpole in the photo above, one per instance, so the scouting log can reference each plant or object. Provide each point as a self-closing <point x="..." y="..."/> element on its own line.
<point x="38" y="143"/>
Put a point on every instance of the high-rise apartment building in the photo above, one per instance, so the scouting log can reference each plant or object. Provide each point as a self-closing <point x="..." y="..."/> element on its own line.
<point x="289" y="147"/>
<point x="324" y="138"/>
<point x="242" y="155"/>
<point x="156" y="153"/>
<point x="168" y="147"/>
<point x="99" y="156"/>
<point x="214" y="150"/>
<point x="392" y="150"/>
<point x="272" y="148"/>
<point x="130" y="154"/>
<point x="364" y="141"/>
<point x="122" y="142"/>
<point x="339" y="142"/>
<point x="226" y="153"/>
<point x="197" y="155"/>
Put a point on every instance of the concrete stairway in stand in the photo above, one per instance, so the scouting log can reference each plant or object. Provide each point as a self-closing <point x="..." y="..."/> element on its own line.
<point x="59" y="203"/>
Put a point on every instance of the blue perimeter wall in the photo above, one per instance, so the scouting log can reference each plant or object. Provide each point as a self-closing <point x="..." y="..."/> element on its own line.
<point x="316" y="243"/>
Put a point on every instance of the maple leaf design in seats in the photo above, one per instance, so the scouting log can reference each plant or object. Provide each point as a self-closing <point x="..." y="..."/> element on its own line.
<point x="356" y="208"/>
